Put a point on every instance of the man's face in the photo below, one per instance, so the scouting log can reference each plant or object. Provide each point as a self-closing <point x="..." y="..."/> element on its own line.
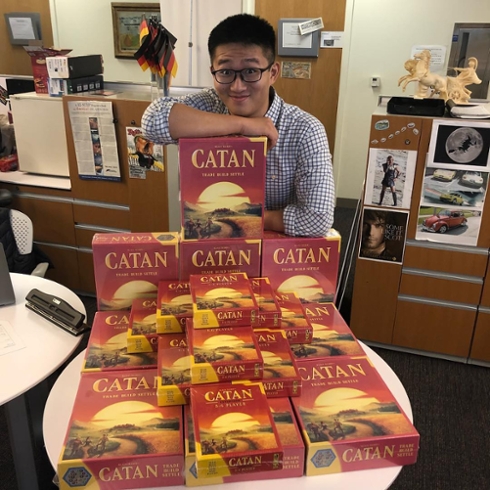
<point x="373" y="233"/>
<point x="244" y="98"/>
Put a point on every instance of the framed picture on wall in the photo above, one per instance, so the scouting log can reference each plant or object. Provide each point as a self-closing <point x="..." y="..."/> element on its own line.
<point x="126" y="20"/>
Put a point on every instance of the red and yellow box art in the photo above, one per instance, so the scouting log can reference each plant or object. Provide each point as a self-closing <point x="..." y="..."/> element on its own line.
<point x="224" y="354"/>
<point x="174" y="306"/>
<point x="308" y="266"/>
<point x="222" y="300"/>
<point x="142" y="330"/>
<point x="269" y="311"/>
<point x="331" y="335"/>
<point x="130" y="265"/>
<point x="289" y="435"/>
<point x="118" y="438"/>
<point x="174" y="370"/>
<point x="349" y="418"/>
<point x="294" y="321"/>
<point x="219" y="257"/>
<point x="107" y="345"/>
<point x="281" y="377"/>
<point x="234" y="430"/>
<point x="222" y="182"/>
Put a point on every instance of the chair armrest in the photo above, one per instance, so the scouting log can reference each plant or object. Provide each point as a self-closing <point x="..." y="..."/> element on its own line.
<point x="40" y="269"/>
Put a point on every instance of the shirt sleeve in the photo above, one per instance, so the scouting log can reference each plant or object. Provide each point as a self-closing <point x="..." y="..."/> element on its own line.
<point x="154" y="122"/>
<point x="313" y="212"/>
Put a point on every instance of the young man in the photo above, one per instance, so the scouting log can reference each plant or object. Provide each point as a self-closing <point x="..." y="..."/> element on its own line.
<point x="299" y="181"/>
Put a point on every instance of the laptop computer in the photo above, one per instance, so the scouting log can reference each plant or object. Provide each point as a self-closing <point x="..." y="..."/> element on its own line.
<point x="7" y="296"/>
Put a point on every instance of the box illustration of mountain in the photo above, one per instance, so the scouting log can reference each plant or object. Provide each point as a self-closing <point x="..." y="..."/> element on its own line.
<point x="289" y="435"/>
<point x="331" y="335"/>
<point x="349" y="418"/>
<point x="142" y="329"/>
<point x="222" y="300"/>
<point x="281" y="377"/>
<point x="107" y="345"/>
<point x="269" y="311"/>
<point x="234" y="430"/>
<point x="308" y="266"/>
<point x="219" y="257"/>
<point x="174" y="370"/>
<point x="130" y="265"/>
<point x="118" y="438"/>
<point x="224" y="354"/>
<point x="293" y="319"/>
<point x="222" y="187"/>
<point x="174" y="306"/>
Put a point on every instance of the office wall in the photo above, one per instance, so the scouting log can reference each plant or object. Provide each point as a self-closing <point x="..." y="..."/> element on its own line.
<point x="380" y="35"/>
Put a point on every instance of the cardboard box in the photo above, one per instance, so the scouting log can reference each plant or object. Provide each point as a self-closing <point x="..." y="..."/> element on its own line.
<point x="294" y="321"/>
<point x="307" y="266"/>
<point x="119" y="438"/>
<point x="107" y="345"/>
<point x="130" y="265"/>
<point x="38" y="56"/>
<point x="219" y="257"/>
<point x="75" y="66"/>
<point x="349" y="418"/>
<point x="289" y="435"/>
<point x="57" y="87"/>
<point x="174" y="306"/>
<point x="142" y="329"/>
<point x="269" y="314"/>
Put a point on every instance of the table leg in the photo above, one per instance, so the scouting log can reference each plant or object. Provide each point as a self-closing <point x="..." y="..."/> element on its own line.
<point x="21" y="443"/>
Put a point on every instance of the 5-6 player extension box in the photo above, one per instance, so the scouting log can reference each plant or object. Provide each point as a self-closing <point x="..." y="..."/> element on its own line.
<point x="174" y="306"/>
<point x="222" y="182"/>
<point x="130" y="265"/>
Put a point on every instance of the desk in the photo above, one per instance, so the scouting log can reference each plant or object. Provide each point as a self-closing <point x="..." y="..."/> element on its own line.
<point x="46" y="348"/>
<point x="60" y="402"/>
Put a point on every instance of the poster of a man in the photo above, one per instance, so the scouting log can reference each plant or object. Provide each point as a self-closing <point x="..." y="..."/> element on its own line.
<point x="383" y="235"/>
<point x="143" y="155"/>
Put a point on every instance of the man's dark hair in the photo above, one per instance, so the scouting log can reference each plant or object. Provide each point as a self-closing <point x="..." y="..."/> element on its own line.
<point x="373" y="215"/>
<point x="245" y="29"/>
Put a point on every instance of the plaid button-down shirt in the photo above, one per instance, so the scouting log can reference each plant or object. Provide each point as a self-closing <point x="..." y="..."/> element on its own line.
<point x="299" y="175"/>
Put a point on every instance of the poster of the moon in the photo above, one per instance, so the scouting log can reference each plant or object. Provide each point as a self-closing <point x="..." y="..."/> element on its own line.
<point x="454" y="143"/>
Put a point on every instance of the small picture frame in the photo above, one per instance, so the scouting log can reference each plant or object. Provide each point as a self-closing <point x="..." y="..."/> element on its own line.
<point x="23" y="27"/>
<point x="126" y="20"/>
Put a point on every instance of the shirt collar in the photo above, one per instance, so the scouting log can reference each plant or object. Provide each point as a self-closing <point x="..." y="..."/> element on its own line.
<point x="274" y="106"/>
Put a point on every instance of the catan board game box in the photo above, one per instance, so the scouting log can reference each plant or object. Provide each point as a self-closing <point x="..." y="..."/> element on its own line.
<point x="174" y="306"/>
<point x="119" y="438"/>
<point x="222" y="182"/>
<point x="307" y="266"/>
<point x="222" y="300"/>
<point x="130" y="265"/>
<point x="219" y="257"/>
<point x="236" y="416"/>
<point x="293" y="319"/>
<point x="289" y="435"/>
<point x="174" y="367"/>
<point x="107" y="345"/>
<point x="350" y="419"/>
<point x="269" y="314"/>
<point x="224" y="354"/>
<point x="281" y="377"/>
<point x="331" y="335"/>
<point x="142" y="329"/>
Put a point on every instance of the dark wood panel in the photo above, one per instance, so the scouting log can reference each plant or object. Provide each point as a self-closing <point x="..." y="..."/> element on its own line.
<point x="94" y="215"/>
<point x="441" y="289"/>
<point x="480" y="347"/>
<point x="86" y="272"/>
<point x="318" y="95"/>
<point x="445" y="261"/>
<point x="65" y="264"/>
<point x="404" y="131"/>
<point x="84" y="237"/>
<point x="43" y="191"/>
<point x="434" y="328"/>
<point x="52" y="221"/>
<point x="374" y="300"/>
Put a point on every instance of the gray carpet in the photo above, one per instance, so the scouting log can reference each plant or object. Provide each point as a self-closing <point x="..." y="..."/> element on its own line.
<point x="450" y="403"/>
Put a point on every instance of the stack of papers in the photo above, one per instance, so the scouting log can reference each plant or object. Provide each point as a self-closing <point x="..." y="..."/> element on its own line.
<point x="470" y="111"/>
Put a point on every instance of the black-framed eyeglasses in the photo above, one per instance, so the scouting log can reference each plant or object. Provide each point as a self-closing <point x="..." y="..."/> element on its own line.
<point x="249" y="75"/>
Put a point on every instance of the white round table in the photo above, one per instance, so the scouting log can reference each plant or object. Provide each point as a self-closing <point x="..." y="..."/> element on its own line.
<point x="46" y="347"/>
<point x="60" y="403"/>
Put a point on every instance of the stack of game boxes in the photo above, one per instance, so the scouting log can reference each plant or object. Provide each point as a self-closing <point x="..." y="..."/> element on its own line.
<point x="239" y="329"/>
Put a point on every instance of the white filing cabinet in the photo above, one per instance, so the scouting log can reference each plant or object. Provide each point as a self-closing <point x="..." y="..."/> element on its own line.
<point x="39" y="126"/>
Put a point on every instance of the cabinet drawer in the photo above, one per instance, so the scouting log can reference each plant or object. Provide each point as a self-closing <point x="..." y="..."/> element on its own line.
<point x="86" y="272"/>
<point x="480" y="347"/>
<point x="65" y="262"/>
<point x="115" y="217"/>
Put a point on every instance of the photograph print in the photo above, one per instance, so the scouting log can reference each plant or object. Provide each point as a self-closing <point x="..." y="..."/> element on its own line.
<point x="454" y="143"/>
<point x="389" y="179"/>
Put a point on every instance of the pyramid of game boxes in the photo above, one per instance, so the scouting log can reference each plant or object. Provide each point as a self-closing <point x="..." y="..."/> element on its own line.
<point x="218" y="356"/>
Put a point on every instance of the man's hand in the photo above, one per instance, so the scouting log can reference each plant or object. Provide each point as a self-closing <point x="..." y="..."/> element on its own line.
<point x="274" y="221"/>
<point x="260" y="126"/>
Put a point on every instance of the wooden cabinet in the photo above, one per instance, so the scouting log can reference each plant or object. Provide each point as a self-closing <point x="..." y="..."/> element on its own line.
<point x="437" y="301"/>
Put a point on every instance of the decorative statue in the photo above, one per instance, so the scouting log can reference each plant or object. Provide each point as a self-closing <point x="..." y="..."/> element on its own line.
<point x="431" y="84"/>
